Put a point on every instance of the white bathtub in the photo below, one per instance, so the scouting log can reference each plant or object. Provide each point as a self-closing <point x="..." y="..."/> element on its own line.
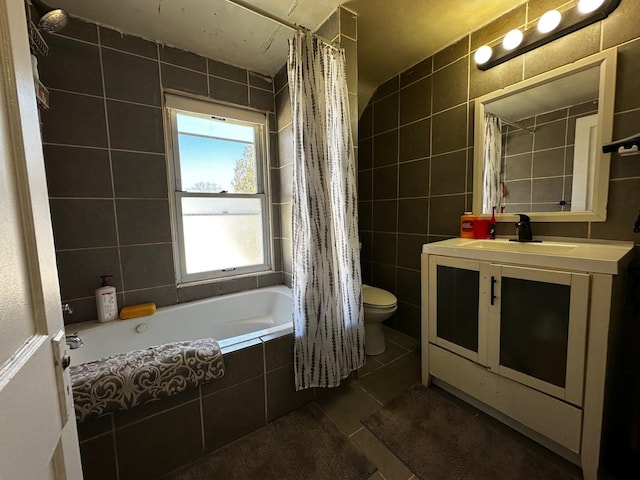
<point x="230" y="319"/>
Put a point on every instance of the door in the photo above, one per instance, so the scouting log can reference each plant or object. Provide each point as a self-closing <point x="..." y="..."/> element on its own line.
<point x="454" y="304"/>
<point x="537" y="328"/>
<point x="38" y="439"/>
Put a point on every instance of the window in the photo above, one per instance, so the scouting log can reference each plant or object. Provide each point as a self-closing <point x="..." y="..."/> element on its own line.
<point x="219" y="204"/>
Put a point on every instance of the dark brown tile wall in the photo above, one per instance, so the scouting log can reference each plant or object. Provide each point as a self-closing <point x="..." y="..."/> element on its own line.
<point x="429" y="150"/>
<point x="147" y="441"/>
<point x="104" y="151"/>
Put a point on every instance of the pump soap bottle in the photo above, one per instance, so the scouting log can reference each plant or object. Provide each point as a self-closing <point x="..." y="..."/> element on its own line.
<point x="492" y="225"/>
<point x="106" y="301"/>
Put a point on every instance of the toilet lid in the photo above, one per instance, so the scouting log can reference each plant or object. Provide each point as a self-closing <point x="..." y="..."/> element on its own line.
<point x="377" y="297"/>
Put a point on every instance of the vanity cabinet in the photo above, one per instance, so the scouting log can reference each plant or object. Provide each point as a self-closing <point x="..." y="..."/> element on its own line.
<point x="523" y="334"/>
<point x="526" y="324"/>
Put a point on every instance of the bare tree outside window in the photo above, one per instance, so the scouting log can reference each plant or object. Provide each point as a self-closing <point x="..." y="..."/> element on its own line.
<point x="207" y="187"/>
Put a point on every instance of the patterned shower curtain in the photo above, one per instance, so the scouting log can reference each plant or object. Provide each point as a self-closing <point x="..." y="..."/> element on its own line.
<point x="327" y="299"/>
<point x="492" y="164"/>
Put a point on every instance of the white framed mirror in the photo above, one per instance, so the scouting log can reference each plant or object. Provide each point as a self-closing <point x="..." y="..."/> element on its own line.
<point x="538" y="144"/>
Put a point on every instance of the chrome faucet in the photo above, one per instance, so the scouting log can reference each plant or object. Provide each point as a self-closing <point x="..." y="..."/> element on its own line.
<point x="73" y="341"/>
<point x="66" y="308"/>
<point x="523" y="228"/>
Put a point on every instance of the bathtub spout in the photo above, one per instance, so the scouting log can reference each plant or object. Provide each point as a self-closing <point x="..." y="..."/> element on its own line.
<point x="73" y="341"/>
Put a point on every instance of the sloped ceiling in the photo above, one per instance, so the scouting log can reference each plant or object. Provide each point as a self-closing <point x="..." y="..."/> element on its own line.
<point x="392" y="34"/>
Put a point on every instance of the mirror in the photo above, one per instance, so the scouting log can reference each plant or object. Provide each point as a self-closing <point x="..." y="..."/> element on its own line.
<point x="538" y="144"/>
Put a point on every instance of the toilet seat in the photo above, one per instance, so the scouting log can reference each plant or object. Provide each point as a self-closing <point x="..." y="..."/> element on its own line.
<point x="377" y="297"/>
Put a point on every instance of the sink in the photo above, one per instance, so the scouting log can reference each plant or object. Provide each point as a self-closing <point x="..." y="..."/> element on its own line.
<point x="550" y="248"/>
<point x="587" y="256"/>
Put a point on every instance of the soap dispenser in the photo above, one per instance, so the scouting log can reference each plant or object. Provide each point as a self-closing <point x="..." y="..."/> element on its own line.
<point x="492" y="225"/>
<point x="106" y="301"/>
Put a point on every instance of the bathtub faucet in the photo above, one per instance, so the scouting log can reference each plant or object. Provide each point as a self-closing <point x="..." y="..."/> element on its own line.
<point x="73" y="341"/>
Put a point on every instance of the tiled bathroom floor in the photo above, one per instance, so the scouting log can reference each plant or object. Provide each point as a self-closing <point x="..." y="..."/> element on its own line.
<point x="382" y="378"/>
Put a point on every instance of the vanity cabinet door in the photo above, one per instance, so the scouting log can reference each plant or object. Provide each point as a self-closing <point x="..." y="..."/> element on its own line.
<point x="458" y="323"/>
<point x="537" y="329"/>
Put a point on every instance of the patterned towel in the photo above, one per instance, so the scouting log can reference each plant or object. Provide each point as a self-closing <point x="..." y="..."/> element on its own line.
<point x="136" y="378"/>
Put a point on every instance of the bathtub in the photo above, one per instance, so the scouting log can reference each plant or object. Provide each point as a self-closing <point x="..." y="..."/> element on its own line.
<point x="230" y="319"/>
<point x="254" y="329"/>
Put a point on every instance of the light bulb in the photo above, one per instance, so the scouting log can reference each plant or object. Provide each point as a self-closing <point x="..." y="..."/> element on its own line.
<point x="588" y="6"/>
<point x="483" y="54"/>
<point x="512" y="39"/>
<point x="549" y="21"/>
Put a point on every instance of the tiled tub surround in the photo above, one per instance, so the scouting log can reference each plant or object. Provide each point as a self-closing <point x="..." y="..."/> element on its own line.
<point x="104" y="151"/>
<point x="416" y="147"/>
<point x="229" y="319"/>
<point x="254" y="331"/>
<point x="538" y="166"/>
<point x="148" y="441"/>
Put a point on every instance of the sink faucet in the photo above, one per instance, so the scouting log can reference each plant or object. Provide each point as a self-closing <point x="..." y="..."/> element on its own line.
<point x="523" y="227"/>
<point x="73" y="341"/>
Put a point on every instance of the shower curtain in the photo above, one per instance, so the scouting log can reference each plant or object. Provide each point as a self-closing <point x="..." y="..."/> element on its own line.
<point x="327" y="298"/>
<point x="492" y="164"/>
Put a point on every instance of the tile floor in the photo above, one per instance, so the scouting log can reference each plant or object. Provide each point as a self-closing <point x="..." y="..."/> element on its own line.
<point x="382" y="378"/>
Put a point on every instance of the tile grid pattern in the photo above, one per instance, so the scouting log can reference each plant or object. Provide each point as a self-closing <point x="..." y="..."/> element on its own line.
<point x="382" y="378"/>
<point x="416" y="147"/>
<point x="104" y="151"/>
<point x="257" y="389"/>
<point x="538" y="166"/>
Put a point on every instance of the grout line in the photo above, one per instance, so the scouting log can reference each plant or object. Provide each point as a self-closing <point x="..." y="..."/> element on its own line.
<point x="206" y="66"/>
<point x="113" y="187"/>
<point x="104" y="94"/>
<point x="264" y="382"/>
<point x="115" y="446"/>
<point x="111" y="246"/>
<point x="160" y="61"/>
<point x="356" y="432"/>
<point x="155" y="414"/>
<point x="154" y="199"/>
<point x="90" y="147"/>
<point x="202" y="438"/>
<point x="367" y="392"/>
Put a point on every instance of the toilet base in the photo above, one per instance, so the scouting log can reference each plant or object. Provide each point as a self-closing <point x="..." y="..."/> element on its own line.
<point x="375" y="343"/>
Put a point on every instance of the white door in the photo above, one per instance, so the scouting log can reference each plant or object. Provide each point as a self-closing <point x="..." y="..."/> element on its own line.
<point x="38" y="439"/>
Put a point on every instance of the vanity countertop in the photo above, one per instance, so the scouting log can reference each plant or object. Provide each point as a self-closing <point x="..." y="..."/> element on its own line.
<point x="593" y="257"/>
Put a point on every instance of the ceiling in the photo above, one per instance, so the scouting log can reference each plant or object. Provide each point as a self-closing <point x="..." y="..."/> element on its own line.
<point x="392" y="35"/>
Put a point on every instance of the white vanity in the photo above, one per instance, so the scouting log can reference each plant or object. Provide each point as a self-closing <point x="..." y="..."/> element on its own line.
<point x="522" y="330"/>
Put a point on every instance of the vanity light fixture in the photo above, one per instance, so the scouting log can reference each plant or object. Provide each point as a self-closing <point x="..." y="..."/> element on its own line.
<point x="551" y="26"/>
<point x="483" y="54"/>
<point x="512" y="39"/>
<point x="549" y="21"/>
<point x="588" y="6"/>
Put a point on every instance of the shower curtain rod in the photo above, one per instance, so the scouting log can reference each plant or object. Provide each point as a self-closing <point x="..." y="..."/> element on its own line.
<point x="517" y="125"/>
<point x="263" y="13"/>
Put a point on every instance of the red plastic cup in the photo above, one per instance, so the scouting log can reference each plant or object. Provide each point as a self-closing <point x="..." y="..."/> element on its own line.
<point x="481" y="228"/>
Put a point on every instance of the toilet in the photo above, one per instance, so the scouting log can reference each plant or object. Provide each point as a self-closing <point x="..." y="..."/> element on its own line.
<point x="378" y="306"/>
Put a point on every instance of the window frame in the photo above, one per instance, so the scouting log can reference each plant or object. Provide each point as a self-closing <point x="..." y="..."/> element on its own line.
<point x="174" y="104"/>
